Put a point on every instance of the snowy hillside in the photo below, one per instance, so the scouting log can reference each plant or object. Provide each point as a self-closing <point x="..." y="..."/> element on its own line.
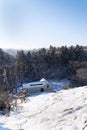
<point x="63" y="110"/>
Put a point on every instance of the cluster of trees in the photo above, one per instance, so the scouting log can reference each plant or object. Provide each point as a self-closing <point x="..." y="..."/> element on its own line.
<point x="55" y="62"/>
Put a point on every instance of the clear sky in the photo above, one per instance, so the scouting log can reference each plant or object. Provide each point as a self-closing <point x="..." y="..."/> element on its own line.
<point x="29" y="24"/>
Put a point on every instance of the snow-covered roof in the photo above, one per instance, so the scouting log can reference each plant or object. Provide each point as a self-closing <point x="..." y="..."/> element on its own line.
<point x="43" y="80"/>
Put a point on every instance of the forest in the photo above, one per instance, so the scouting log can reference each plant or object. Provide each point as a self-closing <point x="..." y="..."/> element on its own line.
<point x="52" y="63"/>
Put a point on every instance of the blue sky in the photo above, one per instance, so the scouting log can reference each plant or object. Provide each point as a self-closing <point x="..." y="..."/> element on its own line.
<point x="29" y="24"/>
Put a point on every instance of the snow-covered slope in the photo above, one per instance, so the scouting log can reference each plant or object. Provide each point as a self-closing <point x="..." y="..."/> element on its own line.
<point x="63" y="110"/>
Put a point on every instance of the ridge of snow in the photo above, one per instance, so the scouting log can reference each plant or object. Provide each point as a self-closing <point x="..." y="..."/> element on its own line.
<point x="63" y="110"/>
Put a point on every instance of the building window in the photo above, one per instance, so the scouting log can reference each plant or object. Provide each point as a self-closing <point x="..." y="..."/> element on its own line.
<point x="36" y="84"/>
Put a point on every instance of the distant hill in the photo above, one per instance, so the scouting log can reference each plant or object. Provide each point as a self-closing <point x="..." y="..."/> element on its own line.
<point x="12" y="52"/>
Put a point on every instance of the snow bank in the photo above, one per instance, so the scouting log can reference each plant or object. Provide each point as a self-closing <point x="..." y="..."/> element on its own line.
<point x="63" y="110"/>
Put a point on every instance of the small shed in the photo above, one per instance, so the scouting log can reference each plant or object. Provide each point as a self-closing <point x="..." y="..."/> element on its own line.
<point x="38" y="86"/>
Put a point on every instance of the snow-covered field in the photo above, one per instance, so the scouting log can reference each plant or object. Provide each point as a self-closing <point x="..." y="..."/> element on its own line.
<point x="63" y="110"/>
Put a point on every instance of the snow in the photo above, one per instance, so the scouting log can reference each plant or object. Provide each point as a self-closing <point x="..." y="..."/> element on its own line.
<point x="43" y="80"/>
<point x="63" y="110"/>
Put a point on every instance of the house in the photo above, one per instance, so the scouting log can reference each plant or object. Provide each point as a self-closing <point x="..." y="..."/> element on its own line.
<point x="39" y="86"/>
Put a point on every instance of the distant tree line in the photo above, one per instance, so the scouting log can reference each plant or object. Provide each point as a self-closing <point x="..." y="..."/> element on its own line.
<point x="52" y="63"/>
